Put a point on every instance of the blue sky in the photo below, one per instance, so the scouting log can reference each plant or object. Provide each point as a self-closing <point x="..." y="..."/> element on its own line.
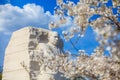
<point x="39" y="13"/>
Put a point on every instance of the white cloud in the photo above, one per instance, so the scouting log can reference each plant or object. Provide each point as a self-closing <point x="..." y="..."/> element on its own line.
<point x="13" y="17"/>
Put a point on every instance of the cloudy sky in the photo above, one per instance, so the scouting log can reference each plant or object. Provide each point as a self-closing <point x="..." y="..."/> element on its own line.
<point x="16" y="14"/>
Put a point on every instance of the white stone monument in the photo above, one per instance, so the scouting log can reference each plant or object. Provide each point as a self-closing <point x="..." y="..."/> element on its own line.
<point x="24" y="50"/>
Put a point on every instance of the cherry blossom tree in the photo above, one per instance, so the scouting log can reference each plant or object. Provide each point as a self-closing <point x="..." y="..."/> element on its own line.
<point x="107" y="28"/>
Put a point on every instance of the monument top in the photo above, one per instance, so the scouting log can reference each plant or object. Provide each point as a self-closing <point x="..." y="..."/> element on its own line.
<point x="24" y="52"/>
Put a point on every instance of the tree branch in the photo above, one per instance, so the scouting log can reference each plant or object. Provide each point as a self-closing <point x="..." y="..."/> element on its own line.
<point x="116" y="23"/>
<point x="73" y="45"/>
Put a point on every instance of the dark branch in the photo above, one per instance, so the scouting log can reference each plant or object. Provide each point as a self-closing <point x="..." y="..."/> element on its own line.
<point x="114" y="21"/>
<point x="73" y="45"/>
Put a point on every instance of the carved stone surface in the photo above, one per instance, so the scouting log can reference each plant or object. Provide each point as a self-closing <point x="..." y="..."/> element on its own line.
<point x="25" y="49"/>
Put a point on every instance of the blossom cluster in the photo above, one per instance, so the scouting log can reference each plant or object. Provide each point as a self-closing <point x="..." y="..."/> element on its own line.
<point x="107" y="29"/>
<point x="93" y="67"/>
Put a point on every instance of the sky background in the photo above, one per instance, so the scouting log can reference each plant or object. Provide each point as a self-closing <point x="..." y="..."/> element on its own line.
<point x="38" y="13"/>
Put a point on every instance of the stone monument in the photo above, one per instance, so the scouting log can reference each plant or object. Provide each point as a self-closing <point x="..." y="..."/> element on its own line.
<point x="24" y="50"/>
